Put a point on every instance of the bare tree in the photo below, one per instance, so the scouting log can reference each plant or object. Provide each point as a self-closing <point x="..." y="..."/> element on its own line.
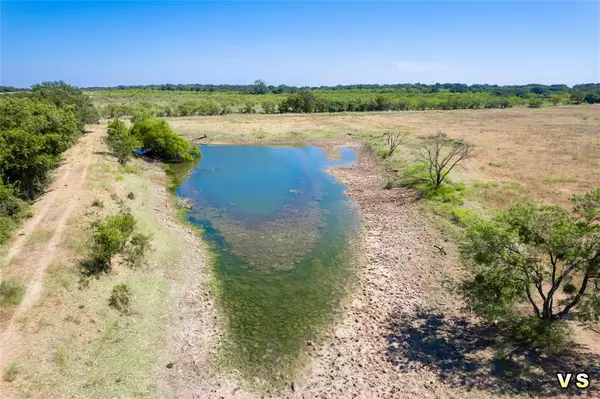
<point x="442" y="154"/>
<point x="394" y="139"/>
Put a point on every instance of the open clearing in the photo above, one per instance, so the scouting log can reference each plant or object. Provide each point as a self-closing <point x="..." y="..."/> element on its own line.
<point x="66" y="342"/>
<point x="547" y="153"/>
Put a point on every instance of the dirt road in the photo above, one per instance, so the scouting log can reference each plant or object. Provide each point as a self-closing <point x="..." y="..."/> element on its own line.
<point x="30" y="259"/>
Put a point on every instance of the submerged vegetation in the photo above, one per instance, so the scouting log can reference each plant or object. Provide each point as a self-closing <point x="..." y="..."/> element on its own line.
<point x="280" y="254"/>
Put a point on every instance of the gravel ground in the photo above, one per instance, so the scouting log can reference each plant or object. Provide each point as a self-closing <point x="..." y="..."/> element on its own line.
<point x="403" y="271"/>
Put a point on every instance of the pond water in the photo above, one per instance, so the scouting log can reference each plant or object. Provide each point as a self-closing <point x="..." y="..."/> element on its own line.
<point x="279" y="228"/>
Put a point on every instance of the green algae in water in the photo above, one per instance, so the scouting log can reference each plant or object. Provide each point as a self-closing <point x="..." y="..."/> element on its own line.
<point x="279" y="228"/>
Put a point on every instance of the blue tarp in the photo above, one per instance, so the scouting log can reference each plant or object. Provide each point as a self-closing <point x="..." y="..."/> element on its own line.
<point x="141" y="151"/>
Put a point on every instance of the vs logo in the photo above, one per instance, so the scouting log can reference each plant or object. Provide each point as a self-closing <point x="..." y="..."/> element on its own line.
<point x="582" y="380"/>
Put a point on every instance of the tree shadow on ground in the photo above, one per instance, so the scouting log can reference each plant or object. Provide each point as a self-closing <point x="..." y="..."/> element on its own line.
<point x="464" y="354"/>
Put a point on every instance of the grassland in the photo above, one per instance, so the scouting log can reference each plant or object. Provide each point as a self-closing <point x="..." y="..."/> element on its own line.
<point x="544" y="154"/>
<point x="70" y="343"/>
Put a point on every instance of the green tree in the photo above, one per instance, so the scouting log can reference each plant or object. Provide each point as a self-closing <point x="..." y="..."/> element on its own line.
<point x="259" y="87"/>
<point x="25" y="161"/>
<point x="161" y="142"/>
<point x="63" y="95"/>
<point x="577" y="97"/>
<point x="308" y="101"/>
<point x="530" y="253"/>
<point x="120" y="142"/>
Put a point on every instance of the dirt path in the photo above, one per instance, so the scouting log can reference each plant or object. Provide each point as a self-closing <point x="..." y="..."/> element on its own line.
<point x="51" y="214"/>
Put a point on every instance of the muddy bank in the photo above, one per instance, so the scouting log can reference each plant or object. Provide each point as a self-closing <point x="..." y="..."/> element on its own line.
<point x="403" y="270"/>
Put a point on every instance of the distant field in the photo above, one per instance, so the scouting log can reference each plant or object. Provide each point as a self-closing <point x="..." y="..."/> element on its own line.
<point x="547" y="153"/>
<point x="113" y="103"/>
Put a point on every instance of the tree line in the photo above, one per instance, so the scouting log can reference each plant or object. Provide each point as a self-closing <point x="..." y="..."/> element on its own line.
<point x="36" y="127"/>
<point x="260" y="87"/>
<point x="174" y="104"/>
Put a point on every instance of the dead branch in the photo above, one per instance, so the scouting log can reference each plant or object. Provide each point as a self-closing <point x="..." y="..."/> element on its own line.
<point x="394" y="139"/>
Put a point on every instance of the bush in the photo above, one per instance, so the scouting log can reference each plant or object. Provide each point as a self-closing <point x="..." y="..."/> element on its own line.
<point x="35" y="128"/>
<point x="97" y="203"/>
<point x="131" y="195"/>
<point x="120" y="298"/>
<point x="269" y="106"/>
<point x="535" y="102"/>
<point x="11" y="372"/>
<point x="161" y="142"/>
<point x="540" y="334"/>
<point x="462" y="216"/>
<point x="12" y="210"/>
<point x="109" y="236"/>
<point x="136" y="249"/>
<point x="11" y="292"/>
<point x="64" y="95"/>
<point x="120" y="142"/>
<point x="112" y="236"/>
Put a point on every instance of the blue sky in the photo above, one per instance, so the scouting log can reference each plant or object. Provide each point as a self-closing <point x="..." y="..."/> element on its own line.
<point x="299" y="43"/>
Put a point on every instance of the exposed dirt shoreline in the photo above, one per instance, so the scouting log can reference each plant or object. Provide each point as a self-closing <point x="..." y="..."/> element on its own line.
<point x="403" y="271"/>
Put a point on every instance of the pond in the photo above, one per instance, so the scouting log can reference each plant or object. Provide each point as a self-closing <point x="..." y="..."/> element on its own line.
<point x="279" y="229"/>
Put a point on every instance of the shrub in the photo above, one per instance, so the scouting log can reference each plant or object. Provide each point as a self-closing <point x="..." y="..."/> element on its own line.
<point x="120" y="142"/>
<point x="131" y="195"/>
<point x="7" y="226"/>
<point x="136" y="249"/>
<point x="161" y="142"/>
<point x="535" y="102"/>
<point x="109" y="236"/>
<point x="120" y="298"/>
<point x="462" y="216"/>
<point x="97" y="203"/>
<point x="12" y="210"/>
<point x="540" y="334"/>
<point x="269" y="106"/>
<point x="35" y="128"/>
<point x="64" y="95"/>
<point x="11" y="292"/>
<point x="25" y="162"/>
<point x="11" y="372"/>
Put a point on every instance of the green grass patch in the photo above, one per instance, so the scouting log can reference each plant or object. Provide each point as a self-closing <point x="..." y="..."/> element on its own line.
<point x="560" y="179"/>
<point x="11" y="372"/>
<point x="463" y="216"/>
<point x="512" y="185"/>
<point x="485" y="184"/>
<point x="129" y="169"/>
<point x="11" y="292"/>
<point x="496" y="164"/>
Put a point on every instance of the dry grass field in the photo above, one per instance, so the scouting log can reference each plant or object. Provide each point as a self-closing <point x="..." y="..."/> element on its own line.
<point x="546" y="154"/>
